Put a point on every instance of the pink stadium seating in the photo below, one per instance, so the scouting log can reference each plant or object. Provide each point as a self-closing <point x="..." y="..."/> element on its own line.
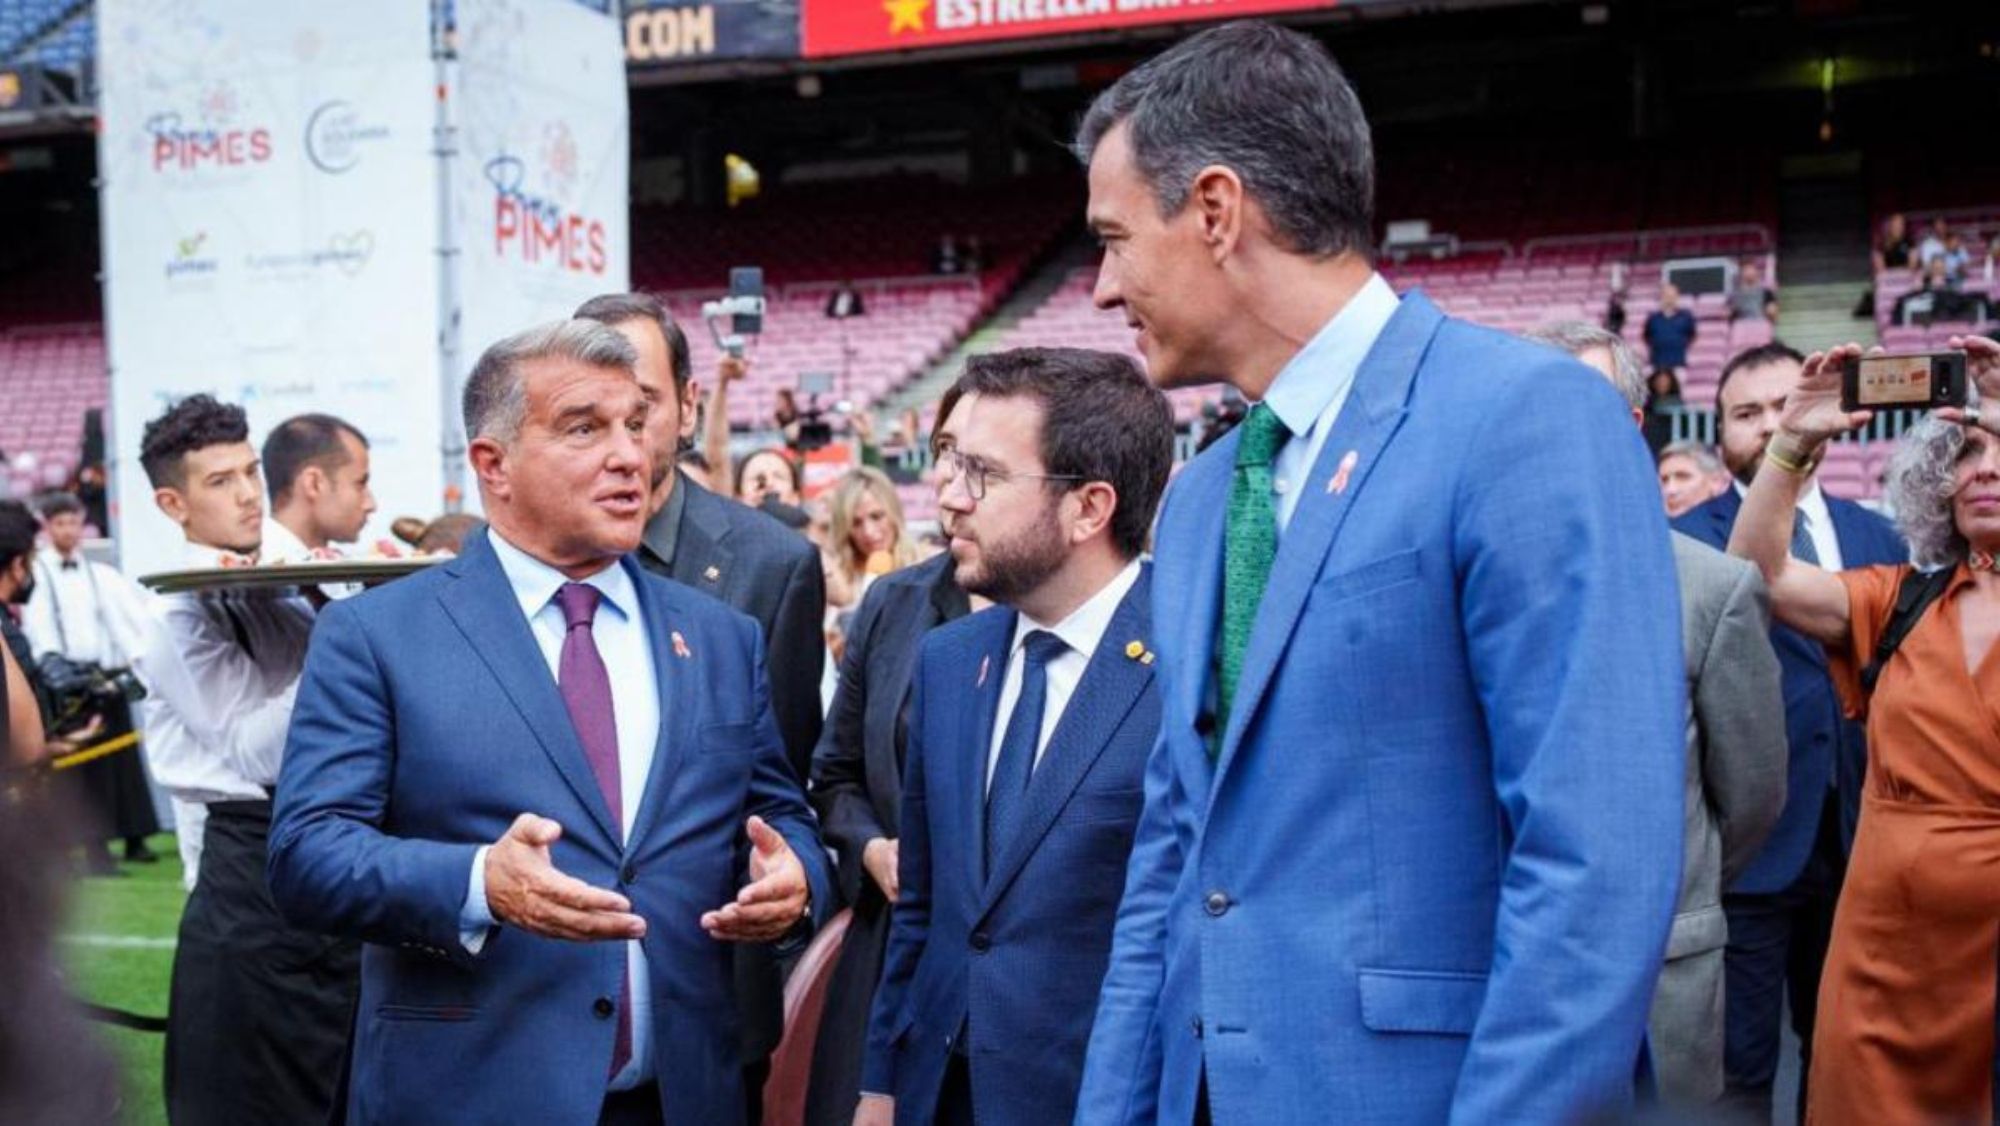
<point x="879" y="235"/>
<point x="1854" y="469"/>
<point x="48" y="377"/>
<point x="909" y="325"/>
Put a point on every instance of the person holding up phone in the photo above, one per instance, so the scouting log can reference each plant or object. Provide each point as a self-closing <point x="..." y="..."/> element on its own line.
<point x="1905" y="1029"/>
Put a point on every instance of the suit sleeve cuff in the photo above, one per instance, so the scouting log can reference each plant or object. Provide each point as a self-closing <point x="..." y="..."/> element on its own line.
<point x="475" y="920"/>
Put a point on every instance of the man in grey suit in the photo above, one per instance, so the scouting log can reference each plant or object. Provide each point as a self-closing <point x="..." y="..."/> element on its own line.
<point x="1736" y="762"/>
<point x="750" y="562"/>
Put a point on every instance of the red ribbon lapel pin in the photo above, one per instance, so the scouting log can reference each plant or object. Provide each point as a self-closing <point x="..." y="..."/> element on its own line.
<point x="681" y="646"/>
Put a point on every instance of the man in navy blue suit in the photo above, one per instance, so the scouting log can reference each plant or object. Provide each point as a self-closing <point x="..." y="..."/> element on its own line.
<point x="525" y="778"/>
<point x="1780" y="909"/>
<point x="1030" y="727"/>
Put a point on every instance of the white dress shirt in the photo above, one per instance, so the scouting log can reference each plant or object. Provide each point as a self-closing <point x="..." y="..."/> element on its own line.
<point x="86" y="611"/>
<point x="1081" y="631"/>
<point x="1312" y="387"/>
<point x="225" y="697"/>
<point x="1819" y="524"/>
<point x="216" y="715"/>
<point x="282" y="546"/>
<point x="620" y="632"/>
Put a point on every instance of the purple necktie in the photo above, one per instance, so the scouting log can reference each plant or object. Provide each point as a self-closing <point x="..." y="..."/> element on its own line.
<point x="586" y="693"/>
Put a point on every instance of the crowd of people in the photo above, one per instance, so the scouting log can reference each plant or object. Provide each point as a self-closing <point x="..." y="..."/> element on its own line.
<point x="1402" y="762"/>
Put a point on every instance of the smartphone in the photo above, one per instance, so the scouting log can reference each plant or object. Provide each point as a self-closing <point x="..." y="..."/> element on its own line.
<point x="747" y="282"/>
<point x="1905" y="381"/>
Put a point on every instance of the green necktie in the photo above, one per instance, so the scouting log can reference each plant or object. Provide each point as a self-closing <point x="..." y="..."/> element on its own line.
<point x="1250" y="544"/>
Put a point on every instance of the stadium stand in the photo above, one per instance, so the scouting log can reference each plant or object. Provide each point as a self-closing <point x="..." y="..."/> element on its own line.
<point x="811" y="239"/>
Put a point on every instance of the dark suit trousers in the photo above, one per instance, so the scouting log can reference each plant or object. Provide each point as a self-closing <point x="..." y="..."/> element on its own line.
<point x="260" y="1011"/>
<point x="1777" y="948"/>
<point x="954" y="1105"/>
<point x="637" y="1107"/>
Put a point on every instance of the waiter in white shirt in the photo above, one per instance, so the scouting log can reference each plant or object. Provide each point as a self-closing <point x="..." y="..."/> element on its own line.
<point x="259" y="1013"/>
<point x="91" y="614"/>
<point x="316" y="467"/>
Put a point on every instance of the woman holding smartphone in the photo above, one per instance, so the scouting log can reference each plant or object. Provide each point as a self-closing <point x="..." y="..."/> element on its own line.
<point x="1906" y="1003"/>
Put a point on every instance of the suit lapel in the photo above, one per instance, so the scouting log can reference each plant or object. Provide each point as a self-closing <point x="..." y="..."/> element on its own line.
<point x="1111" y="684"/>
<point x="482" y="604"/>
<point x="675" y="681"/>
<point x="970" y="750"/>
<point x="1192" y="567"/>
<point x="1370" y="417"/>
<point x="702" y="558"/>
<point x="1855" y="550"/>
<point x="1723" y="512"/>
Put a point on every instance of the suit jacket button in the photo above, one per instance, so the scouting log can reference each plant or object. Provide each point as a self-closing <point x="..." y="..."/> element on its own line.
<point x="981" y="942"/>
<point x="1217" y="904"/>
<point x="603" y="1007"/>
<point x="1196" y="1025"/>
<point x="628" y="874"/>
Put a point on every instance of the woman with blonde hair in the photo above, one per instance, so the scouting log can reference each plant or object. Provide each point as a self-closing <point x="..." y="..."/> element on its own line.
<point x="869" y="536"/>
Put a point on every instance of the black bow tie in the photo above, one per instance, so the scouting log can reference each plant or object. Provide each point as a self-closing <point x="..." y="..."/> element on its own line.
<point x="69" y="564"/>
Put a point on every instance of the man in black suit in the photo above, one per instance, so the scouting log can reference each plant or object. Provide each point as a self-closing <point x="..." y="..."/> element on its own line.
<point x="751" y="562"/>
<point x="858" y="791"/>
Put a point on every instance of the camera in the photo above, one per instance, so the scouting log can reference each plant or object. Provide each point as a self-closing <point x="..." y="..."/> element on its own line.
<point x="744" y="308"/>
<point x="1910" y="381"/>
<point x="80" y="690"/>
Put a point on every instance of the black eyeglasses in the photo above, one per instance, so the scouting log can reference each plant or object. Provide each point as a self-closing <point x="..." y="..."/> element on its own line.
<point x="976" y="475"/>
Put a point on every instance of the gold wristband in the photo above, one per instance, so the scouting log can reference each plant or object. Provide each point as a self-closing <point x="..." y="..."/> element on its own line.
<point x="1791" y="461"/>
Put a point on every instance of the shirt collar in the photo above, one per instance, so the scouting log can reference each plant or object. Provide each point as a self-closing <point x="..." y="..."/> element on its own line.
<point x="1327" y="365"/>
<point x="663" y="531"/>
<point x="281" y="546"/>
<point x="203" y="555"/>
<point x="1812" y="502"/>
<point x="1085" y="626"/>
<point x="535" y="583"/>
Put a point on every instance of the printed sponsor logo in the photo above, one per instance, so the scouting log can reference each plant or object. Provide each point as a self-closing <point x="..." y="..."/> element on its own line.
<point x="336" y="136"/>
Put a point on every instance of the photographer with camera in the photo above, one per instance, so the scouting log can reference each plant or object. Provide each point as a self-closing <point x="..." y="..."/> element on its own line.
<point x="1906" y="1001"/>
<point x="17" y="584"/>
<point x="85" y="623"/>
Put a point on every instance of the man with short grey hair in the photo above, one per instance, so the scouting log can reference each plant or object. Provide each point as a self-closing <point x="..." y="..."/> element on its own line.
<point x="1605" y="351"/>
<point x="1735" y="780"/>
<point x="1690" y="473"/>
<point x="1385" y="873"/>
<point x="464" y="792"/>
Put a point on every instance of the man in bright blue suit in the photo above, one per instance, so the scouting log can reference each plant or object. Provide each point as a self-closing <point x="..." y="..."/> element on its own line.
<point x="1412" y="832"/>
<point x="1780" y="909"/>
<point x="532" y="779"/>
<point x="1030" y="727"/>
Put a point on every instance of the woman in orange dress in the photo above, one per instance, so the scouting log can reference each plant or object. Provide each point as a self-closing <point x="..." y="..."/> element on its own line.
<point x="1906" y="1004"/>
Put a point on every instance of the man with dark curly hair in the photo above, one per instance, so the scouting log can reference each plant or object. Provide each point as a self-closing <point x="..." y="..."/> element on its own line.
<point x="259" y="1011"/>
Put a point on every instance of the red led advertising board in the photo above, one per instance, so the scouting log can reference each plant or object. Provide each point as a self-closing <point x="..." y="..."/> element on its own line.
<point x="853" y="27"/>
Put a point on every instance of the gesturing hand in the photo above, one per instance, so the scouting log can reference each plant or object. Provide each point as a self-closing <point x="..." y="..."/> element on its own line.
<point x="524" y="889"/>
<point x="774" y="899"/>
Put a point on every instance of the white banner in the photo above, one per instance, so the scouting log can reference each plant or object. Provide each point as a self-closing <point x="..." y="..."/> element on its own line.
<point x="540" y="181"/>
<point x="270" y="232"/>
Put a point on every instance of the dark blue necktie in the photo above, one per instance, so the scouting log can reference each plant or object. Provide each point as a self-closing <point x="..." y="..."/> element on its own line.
<point x="1803" y="548"/>
<point x="1016" y="766"/>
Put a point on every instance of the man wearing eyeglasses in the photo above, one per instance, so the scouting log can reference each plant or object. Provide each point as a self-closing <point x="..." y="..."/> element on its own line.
<point x="1030" y="727"/>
